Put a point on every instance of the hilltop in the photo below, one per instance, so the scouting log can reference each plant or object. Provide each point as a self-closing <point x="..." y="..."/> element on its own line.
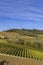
<point x="26" y="31"/>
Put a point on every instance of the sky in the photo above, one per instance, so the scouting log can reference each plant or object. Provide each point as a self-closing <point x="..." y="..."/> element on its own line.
<point x="26" y="14"/>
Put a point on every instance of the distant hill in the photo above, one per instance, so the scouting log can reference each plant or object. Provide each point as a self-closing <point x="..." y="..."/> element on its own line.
<point x="27" y="32"/>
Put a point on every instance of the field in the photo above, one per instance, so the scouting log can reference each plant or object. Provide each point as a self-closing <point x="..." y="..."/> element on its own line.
<point x="21" y="51"/>
<point x="27" y="48"/>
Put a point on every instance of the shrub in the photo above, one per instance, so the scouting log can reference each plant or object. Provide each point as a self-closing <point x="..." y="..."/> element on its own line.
<point x="20" y="41"/>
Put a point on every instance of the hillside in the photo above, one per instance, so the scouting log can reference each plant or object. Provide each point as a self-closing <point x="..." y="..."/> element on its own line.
<point x="22" y="43"/>
<point x="26" y="31"/>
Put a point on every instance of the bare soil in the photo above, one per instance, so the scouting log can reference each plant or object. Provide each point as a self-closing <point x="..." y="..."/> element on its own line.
<point x="14" y="60"/>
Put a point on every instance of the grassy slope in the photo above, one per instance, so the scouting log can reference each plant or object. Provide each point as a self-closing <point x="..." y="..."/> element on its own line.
<point x="14" y="35"/>
<point x="16" y="60"/>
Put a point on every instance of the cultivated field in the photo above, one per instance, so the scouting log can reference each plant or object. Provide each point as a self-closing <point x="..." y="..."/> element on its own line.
<point x="23" y="49"/>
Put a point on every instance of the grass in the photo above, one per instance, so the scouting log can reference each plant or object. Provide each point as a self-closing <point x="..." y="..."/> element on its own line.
<point x="36" y="54"/>
<point x="3" y="41"/>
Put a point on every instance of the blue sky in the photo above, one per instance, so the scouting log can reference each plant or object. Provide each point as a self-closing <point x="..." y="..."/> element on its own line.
<point x="26" y="14"/>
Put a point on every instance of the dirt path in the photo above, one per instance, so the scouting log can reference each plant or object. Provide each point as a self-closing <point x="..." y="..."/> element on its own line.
<point x="14" y="60"/>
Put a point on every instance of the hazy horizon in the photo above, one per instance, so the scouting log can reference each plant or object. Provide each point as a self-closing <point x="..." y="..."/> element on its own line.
<point x="20" y="29"/>
<point x="21" y="14"/>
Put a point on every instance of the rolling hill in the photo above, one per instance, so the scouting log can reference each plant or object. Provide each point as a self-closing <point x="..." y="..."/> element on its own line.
<point x="22" y="43"/>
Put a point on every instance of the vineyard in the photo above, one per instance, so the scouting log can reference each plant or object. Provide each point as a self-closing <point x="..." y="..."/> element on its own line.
<point x="21" y="51"/>
<point x="22" y="45"/>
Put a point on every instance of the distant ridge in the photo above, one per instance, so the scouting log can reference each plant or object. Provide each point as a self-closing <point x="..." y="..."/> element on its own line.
<point x="25" y="31"/>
